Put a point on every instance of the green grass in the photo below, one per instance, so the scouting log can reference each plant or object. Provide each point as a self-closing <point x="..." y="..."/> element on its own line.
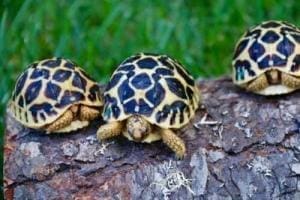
<point x="98" y="35"/>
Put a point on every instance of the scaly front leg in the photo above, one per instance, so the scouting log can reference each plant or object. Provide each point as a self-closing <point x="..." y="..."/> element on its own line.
<point x="62" y="122"/>
<point x="258" y="84"/>
<point x="174" y="142"/>
<point x="88" y="113"/>
<point x="110" y="130"/>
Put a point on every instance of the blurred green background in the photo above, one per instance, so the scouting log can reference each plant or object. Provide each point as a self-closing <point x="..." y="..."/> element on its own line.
<point x="98" y="35"/>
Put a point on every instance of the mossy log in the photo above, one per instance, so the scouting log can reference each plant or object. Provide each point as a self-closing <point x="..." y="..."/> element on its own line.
<point x="239" y="146"/>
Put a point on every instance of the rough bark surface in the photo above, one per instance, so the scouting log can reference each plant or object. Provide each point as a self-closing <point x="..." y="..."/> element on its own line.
<point x="247" y="148"/>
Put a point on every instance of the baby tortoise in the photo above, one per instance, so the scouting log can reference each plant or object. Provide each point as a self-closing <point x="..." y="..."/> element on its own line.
<point x="147" y="97"/>
<point x="267" y="59"/>
<point x="55" y="95"/>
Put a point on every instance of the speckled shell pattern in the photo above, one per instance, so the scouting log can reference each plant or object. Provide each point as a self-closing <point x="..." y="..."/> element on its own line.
<point x="46" y="89"/>
<point x="153" y="86"/>
<point x="270" y="45"/>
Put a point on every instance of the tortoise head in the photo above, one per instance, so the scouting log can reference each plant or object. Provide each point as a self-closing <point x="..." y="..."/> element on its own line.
<point x="138" y="128"/>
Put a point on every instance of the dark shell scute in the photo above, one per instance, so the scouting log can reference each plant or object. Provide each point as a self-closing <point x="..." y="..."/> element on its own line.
<point x="242" y="66"/>
<point x="147" y="63"/>
<point x="269" y="61"/>
<point x="111" y="107"/>
<point x="126" y="68"/>
<point x="271" y="24"/>
<point x="161" y="116"/>
<point x="289" y="25"/>
<point x="140" y="107"/>
<point x="296" y="63"/>
<point x="144" y="108"/>
<point x="189" y="93"/>
<point x="52" y="91"/>
<point x="32" y="91"/>
<point x="254" y="33"/>
<point x="289" y="29"/>
<point x="141" y="81"/>
<point x="156" y="77"/>
<point x="116" y="111"/>
<point x="130" y="74"/>
<point x="181" y="106"/>
<point x="286" y="47"/>
<point x="61" y="75"/>
<point x="94" y="93"/>
<point x="240" y="47"/>
<point x="52" y="63"/>
<point x="256" y="50"/>
<point x="125" y="91"/>
<point x="279" y="62"/>
<point x="185" y="75"/>
<point x="40" y="73"/>
<point x="156" y="94"/>
<point x="70" y="97"/>
<point x="165" y="62"/>
<point x="79" y="81"/>
<point x="296" y="37"/>
<point x="173" y="117"/>
<point x="21" y="82"/>
<point x="43" y="116"/>
<point x="176" y="87"/>
<point x="132" y="59"/>
<point x="129" y="107"/>
<point x="69" y="65"/>
<point x="114" y="81"/>
<point x="21" y="101"/>
<point x="33" y="65"/>
<point x="26" y="116"/>
<point x="164" y="72"/>
<point x="270" y="37"/>
<point x="173" y="108"/>
<point x="38" y="109"/>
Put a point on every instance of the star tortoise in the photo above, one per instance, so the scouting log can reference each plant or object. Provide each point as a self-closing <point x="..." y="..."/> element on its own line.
<point x="267" y="59"/>
<point x="149" y="95"/>
<point x="55" y="95"/>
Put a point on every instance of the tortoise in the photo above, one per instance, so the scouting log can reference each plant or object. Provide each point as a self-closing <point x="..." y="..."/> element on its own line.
<point x="55" y="95"/>
<point x="267" y="59"/>
<point x="147" y="98"/>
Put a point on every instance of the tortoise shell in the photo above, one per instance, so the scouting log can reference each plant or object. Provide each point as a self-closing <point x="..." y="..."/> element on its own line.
<point x="270" y="45"/>
<point x="47" y="88"/>
<point x="153" y="86"/>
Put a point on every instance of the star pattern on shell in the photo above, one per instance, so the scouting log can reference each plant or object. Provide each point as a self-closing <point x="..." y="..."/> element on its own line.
<point x="269" y="45"/>
<point x="47" y="88"/>
<point x="154" y="86"/>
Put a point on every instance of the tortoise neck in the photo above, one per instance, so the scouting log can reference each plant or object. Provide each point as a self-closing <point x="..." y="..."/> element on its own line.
<point x="273" y="76"/>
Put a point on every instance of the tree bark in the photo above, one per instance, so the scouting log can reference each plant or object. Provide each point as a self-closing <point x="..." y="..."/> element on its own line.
<point x="248" y="147"/>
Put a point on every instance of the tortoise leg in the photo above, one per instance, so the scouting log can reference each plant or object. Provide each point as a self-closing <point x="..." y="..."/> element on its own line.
<point x="174" y="142"/>
<point x="63" y="121"/>
<point x="109" y="130"/>
<point x="87" y="113"/>
<point x="290" y="81"/>
<point x="258" y="84"/>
